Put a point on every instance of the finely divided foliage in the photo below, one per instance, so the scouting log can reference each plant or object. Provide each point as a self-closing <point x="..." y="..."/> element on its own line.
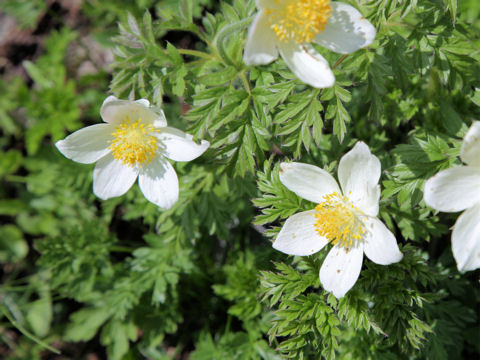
<point x="290" y="132"/>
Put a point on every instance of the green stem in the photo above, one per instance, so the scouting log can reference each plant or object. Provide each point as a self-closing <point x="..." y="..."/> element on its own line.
<point x="14" y="288"/>
<point x="195" y="53"/>
<point x="16" y="178"/>
<point x="226" y="32"/>
<point x="27" y="333"/>
<point x="339" y="61"/>
<point x="117" y="248"/>
<point x="245" y="82"/>
<point x="227" y="327"/>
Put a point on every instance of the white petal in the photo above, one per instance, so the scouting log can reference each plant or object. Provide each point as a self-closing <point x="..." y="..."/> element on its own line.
<point x="261" y="42"/>
<point x="347" y="30"/>
<point x="454" y="189"/>
<point x="470" y="152"/>
<point x="466" y="239"/>
<point x="358" y="173"/>
<point x="116" y="111"/>
<point x="109" y="99"/>
<point x="159" y="183"/>
<point x="143" y="102"/>
<point x="370" y="205"/>
<point x="112" y="98"/>
<point x="307" y="181"/>
<point x="87" y="145"/>
<point x="380" y="244"/>
<point x="298" y="235"/>
<point x="308" y="65"/>
<point x="179" y="146"/>
<point x="341" y="269"/>
<point x="111" y="178"/>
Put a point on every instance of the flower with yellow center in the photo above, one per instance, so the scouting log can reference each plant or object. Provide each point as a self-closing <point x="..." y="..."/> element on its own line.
<point x="290" y="26"/>
<point x="458" y="189"/>
<point x="134" y="141"/>
<point x="346" y="219"/>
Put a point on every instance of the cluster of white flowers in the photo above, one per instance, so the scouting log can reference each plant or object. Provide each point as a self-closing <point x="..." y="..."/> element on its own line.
<point x="135" y="141"/>
<point x="347" y="218"/>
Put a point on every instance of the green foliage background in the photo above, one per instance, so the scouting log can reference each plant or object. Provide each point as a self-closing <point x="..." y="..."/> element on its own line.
<point x="122" y="280"/>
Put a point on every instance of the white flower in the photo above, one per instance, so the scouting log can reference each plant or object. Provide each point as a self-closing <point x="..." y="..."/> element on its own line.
<point x="133" y="141"/>
<point x="289" y="26"/>
<point x="346" y="219"/>
<point x="457" y="189"/>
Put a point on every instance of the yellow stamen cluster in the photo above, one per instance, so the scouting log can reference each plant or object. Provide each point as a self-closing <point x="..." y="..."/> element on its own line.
<point x="134" y="143"/>
<point x="339" y="220"/>
<point x="299" y="20"/>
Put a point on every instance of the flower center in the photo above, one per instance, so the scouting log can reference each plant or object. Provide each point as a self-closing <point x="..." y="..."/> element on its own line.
<point x="134" y="143"/>
<point x="339" y="220"/>
<point x="299" y="20"/>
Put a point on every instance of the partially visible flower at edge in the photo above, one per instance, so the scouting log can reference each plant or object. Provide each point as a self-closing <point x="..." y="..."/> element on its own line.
<point x="134" y="141"/>
<point x="289" y="26"/>
<point x="347" y="219"/>
<point x="458" y="189"/>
